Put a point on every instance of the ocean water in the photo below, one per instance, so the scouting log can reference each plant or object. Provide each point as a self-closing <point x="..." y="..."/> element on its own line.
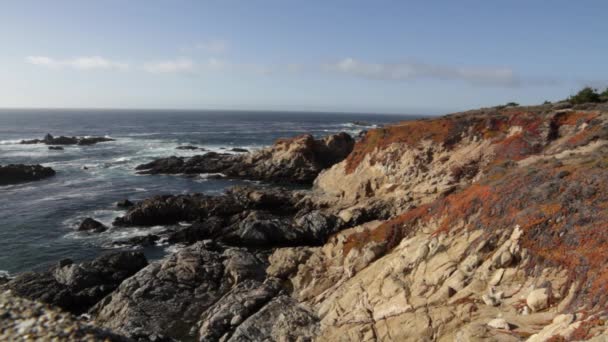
<point x="38" y="220"/>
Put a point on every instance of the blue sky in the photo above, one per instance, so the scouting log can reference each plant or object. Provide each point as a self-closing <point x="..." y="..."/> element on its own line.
<point x="337" y="55"/>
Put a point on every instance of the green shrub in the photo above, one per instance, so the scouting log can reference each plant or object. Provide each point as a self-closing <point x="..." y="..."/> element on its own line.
<point x="604" y="96"/>
<point x="586" y="95"/>
<point x="547" y="102"/>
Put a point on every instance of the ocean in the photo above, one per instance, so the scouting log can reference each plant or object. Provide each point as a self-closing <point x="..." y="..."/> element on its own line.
<point x="38" y="220"/>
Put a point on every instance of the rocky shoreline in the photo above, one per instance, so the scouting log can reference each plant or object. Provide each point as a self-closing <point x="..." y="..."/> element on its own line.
<point x="484" y="225"/>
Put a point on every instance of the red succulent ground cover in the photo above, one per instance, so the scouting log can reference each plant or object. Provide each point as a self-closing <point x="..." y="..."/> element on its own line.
<point x="561" y="206"/>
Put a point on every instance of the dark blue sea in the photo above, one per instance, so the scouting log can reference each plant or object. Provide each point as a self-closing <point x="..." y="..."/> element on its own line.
<point x="38" y="219"/>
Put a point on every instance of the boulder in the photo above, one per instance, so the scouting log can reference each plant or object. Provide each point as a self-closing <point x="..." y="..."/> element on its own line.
<point x="240" y="150"/>
<point x="56" y="148"/>
<point x="77" y="287"/>
<point x="499" y="323"/>
<point x="538" y="299"/>
<point x="91" y="225"/>
<point x="20" y="173"/>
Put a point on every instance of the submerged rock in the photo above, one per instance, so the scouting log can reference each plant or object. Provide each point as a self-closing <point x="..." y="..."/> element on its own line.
<point x="296" y="160"/>
<point x="92" y="225"/>
<point x="56" y="148"/>
<point x="189" y="147"/>
<point x="20" y="173"/>
<point x="77" y="287"/>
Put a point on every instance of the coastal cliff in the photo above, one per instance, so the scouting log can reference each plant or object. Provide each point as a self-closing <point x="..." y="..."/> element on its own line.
<point x="476" y="226"/>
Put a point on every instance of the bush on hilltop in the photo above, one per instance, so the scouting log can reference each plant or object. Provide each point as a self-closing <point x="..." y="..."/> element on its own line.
<point x="587" y="95"/>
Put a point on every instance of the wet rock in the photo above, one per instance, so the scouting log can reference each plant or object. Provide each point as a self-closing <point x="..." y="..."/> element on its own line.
<point x="240" y="150"/>
<point x="189" y="147"/>
<point x="168" y="297"/>
<point x="56" y="148"/>
<point x="63" y="140"/>
<point x="124" y="204"/>
<point x="139" y="241"/>
<point x="20" y="173"/>
<point x="296" y="160"/>
<point x="91" y="225"/>
<point x="198" y="231"/>
<point x="243" y="216"/>
<point x="77" y="287"/>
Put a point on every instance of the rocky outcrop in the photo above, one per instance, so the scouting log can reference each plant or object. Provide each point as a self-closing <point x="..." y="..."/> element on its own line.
<point x="244" y="216"/>
<point x="25" y="320"/>
<point x="77" y="287"/>
<point x="220" y="290"/>
<point x="63" y="140"/>
<point x="502" y="250"/>
<point x="296" y="160"/>
<point x="20" y="173"/>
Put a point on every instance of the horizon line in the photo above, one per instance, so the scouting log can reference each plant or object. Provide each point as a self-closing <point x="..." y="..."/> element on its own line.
<point x="226" y="110"/>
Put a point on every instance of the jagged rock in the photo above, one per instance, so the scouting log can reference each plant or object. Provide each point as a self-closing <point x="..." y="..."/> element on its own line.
<point x="168" y="297"/>
<point x="92" y="225"/>
<point x="20" y="173"/>
<point x="25" y="320"/>
<point x="297" y="160"/>
<point x="282" y="319"/>
<point x="77" y="287"/>
<point x="246" y="298"/>
<point x="538" y="299"/>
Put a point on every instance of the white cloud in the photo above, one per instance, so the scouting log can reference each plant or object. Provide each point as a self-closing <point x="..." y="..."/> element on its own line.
<point x="412" y="71"/>
<point x="216" y="47"/>
<point x="180" y="65"/>
<point x="78" y="63"/>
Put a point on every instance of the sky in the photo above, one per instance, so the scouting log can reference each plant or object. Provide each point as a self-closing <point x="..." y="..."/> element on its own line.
<point x="374" y="56"/>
